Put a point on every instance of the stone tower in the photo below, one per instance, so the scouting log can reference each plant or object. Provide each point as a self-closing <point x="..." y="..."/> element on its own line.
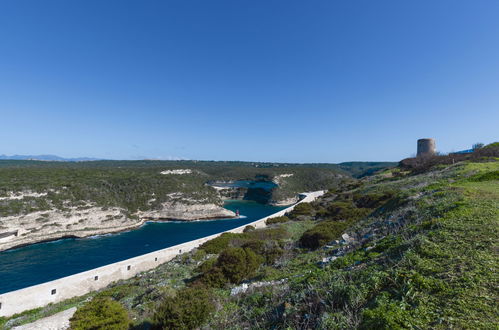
<point x="426" y="147"/>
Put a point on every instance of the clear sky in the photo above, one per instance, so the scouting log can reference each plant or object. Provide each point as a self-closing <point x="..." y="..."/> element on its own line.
<point x="288" y="81"/>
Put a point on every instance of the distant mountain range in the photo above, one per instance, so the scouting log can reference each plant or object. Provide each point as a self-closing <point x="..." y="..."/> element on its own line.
<point x="48" y="158"/>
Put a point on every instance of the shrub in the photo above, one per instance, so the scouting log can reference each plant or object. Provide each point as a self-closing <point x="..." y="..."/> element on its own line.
<point x="372" y="200"/>
<point x="199" y="255"/>
<point x="346" y="211"/>
<point x="218" y="244"/>
<point x="238" y="264"/>
<point x="323" y="233"/>
<point x="489" y="176"/>
<point x="100" y="313"/>
<point x="257" y="246"/>
<point x="214" y="277"/>
<point x="189" y="309"/>
<point x="269" y="250"/>
<point x="207" y="265"/>
<point x="248" y="229"/>
<point x="274" y="220"/>
<point x="302" y="209"/>
<point x="267" y="234"/>
<point x="387" y="315"/>
<point x="233" y="265"/>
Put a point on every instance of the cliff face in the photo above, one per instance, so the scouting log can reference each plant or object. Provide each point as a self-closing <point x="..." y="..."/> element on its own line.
<point x="90" y="220"/>
<point x="233" y="193"/>
<point x="250" y="191"/>
<point x="187" y="212"/>
<point x="54" y="224"/>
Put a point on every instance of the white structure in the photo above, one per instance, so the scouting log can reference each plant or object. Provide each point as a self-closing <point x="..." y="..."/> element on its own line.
<point x="82" y="283"/>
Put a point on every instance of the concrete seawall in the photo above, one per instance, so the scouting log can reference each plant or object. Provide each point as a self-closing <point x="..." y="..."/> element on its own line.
<point x="82" y="283"/>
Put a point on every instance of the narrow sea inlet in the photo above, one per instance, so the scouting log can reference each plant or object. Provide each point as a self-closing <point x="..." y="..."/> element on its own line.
<point x="38" y="263"/>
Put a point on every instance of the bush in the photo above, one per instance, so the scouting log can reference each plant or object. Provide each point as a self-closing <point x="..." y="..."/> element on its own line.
<point x="248" y="229"/>
<point x="267" y="234"/>
<point x="100" y="313"/>
<point x="387" y="315"/>
<point x="227" y="240"/>
<point x="189" y="309"/>
<point x="269" y="250"/>
<point x="238" y="264"/>
<point x="207" y="265"/>
<point x="372" y="200"/>
<point x="217" y="244"/>
<point x="233" y="265"/>
<point x="255" y="245"/>
<point x="489" y="176"/>
<point x="274" y="220"/>
<point x="302" y="209"/>
<point x="346" y="211"/>
<point x="323" y="233"/>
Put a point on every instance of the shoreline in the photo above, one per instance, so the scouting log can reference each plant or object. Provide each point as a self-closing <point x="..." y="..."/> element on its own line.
<point x="112" y="231"/>
<point x="78" y="234"/>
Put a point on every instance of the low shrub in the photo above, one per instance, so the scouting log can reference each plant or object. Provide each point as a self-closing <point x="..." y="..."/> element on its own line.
<point x="248" y="229"/>
<point x="233" y="265"/>
<point x="267" y="234"/>
<point x="275" y="220"/>
<point x="207" y="265"/>
<point x="100" y="313"/>
<point x="269" y="250"/>
<point x="371" y="200"/>
<point x="189" y="309"/>
<point x="302" y="209"/>
<point x="346" y="211"/>
<point x="386" y="315"/>
<point x="489" y="176"/>
<point x="217" y="244"/>
<point x="199" y="255"/>
<point x="238" y="263"/>
<point x="227" y="240"/>
<point x="323" y="233"/>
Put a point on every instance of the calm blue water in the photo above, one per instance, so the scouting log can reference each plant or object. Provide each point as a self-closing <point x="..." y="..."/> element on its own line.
<point x="44" y="262"/>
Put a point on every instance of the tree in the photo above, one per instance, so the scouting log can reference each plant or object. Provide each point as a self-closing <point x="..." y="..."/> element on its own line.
<point x="100" y="313"/>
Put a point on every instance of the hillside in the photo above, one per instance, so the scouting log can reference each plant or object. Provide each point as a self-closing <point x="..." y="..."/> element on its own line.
<point x="42" y="200"/>
<point x="405" y="248"/>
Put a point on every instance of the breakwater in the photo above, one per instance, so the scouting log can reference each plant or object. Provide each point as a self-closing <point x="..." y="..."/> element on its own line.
<point x="79" y="284"/>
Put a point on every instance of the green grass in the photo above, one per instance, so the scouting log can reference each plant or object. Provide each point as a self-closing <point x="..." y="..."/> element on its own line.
<point x="438" y="271"/>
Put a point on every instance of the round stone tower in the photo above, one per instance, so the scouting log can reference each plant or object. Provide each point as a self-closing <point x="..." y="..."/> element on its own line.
<point x="426" y="147"/>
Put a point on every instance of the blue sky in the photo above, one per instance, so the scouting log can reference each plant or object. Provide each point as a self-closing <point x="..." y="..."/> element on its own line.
<point x="288" y="81"/>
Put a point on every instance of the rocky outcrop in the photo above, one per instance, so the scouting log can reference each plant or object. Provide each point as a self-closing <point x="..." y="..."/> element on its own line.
<point x="232" y="193"/>
<point x="55" y="224"/>
<point x="186" y="212"/>
<point x="90" y="220"/>
<point x="286" y="201"/>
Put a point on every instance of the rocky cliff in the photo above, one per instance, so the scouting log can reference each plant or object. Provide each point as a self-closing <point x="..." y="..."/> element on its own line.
<point x="90" y="220"/>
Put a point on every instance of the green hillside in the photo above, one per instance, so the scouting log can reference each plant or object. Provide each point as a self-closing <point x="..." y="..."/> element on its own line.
<point x="405" y="248"/>
<point x="132" y="185"/>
